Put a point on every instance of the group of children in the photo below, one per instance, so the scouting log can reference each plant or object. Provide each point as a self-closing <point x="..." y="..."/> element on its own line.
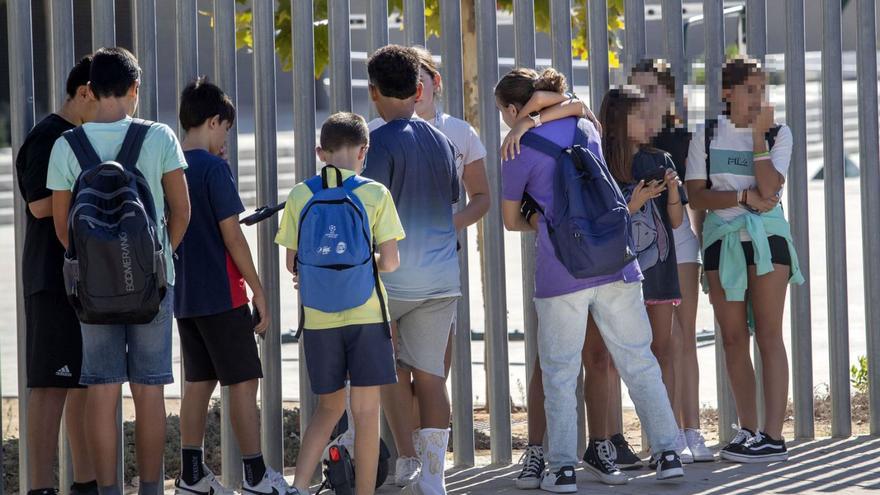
<point x="372" y="246"/>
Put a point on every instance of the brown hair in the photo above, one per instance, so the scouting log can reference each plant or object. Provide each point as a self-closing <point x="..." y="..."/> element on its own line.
<point x="518" y="86"/>
<point x="736" y="71"/>
<point x="617" y="106"/>
<point x="665" y="79"/>
<point x="344" y="129"/>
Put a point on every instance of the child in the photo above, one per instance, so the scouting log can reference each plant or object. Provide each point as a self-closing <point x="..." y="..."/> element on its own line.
<point x="54" y="342"/>
<point x="343" y="339"/>
<point x="746" y="229"/>
<point x="210" y="301"/>
<point x="417" y="164"/>
<point x="649" y="182"/>
<point x="116" y="353"/>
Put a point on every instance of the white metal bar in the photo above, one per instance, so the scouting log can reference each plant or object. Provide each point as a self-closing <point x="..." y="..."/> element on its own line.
<point x="144" y="15"/>
<point x="674" y="40"/>
<point x="560" y="37"/>
<point x="187" y="67"/>
<point x="377" y="27"/>
<point x="414" y="22"/>
<point x="634" y="45"/>
<point x="340" y="56"/>
<point x="103" y="23"/>
<point x="599" y="80"/>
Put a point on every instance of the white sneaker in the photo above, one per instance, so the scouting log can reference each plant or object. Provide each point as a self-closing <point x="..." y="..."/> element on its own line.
<point x="208" y="485"/>
<point x="273" y="483"/>
<point x="682" y="449"/>
<point x="406" y="471"/>
<point x="697" y="444"/>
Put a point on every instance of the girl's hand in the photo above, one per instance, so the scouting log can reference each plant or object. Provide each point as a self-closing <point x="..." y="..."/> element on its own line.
<point x="759" y="204"/>
<point x="510" y="147"/>
<point x="645" y="192"/>
<point x="672" y="183"/>
<point x="764" y="121"/>
<point x="589" y="115"/>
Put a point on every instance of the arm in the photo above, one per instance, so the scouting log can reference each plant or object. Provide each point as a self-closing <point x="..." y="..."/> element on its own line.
<point x="60" y="210"/>
<point x="476" y="184"/>
<point x="702" y="198"/>
<point x="240" y="252"/>
<point x="388" y="258"/>
<point x="42" y="208"/>
<point x="674" y="206"/>
<point x="567" y="108"/>
<point x="768" y="178"/>
<point x="541" y="100"/>
<point x="291" y="261"/>
<point x="177" y="195"/>
<point x="513" y="219"/>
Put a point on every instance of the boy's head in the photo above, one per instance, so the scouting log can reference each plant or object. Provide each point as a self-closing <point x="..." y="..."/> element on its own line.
<point x="394" y="76"/>
<point x="344" y="141"/>
<point x="115" y="74"/>
<point x="80" y="104"/>
<point x="205" y="109"/>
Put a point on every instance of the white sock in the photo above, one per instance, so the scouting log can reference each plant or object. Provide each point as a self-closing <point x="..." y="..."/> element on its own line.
<point x="433" y="442"/>
<point x="417" y="444"/>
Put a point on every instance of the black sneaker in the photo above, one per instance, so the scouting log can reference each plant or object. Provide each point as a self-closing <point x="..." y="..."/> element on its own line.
<point x="760" y="448"/>
<point x="626" y="458"/>
<point x="743" y="436"/>
<point x="599" y="459"/>
<point x="562" y="480"/>
<point x="668" y="465"/>
<point x="533" y="467"/>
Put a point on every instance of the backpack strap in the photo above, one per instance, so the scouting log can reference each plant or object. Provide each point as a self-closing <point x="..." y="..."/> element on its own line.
<point x="131" y="145"/>
<point x="542" y="145"/>
<point x="82" y="148"/>
<point x="327" y="169"/>
<point x="708" y="135"/>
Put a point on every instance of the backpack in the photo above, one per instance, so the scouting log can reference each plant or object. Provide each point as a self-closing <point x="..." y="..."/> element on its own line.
<point x="335" y="255"/>
<point x="590" y="223"/>
<point x="114" y="267"/>
<point x="709" y="134"/>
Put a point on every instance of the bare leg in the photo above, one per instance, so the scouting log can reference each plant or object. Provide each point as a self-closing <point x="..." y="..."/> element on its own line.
<point x="397" y="400"/>
<point x="596" y="382"/>
<point x="735" y="335"/>
<point x="193" y="412"/>
<point x="365" y="408"/>
<point x="687" y="369"/>
<point x="433" y="403"/>
<point x="330" y="410"/>
<point x="447" y="364"/>
<point x="535" y="405"/>
<point x="245" y="416"/>
<point x="149" y="405"/>
<point x="101" y="409"/>
<point x="75" y="420"/>
<point x="662" y="344"/>
<point x="45" y="406"/>
<point x="769" y="306"/>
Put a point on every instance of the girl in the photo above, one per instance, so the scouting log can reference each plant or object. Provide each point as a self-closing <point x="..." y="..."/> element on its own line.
<point x="655" y="79"/>
<point x="650" y="183"/>
<point x="470" y="157"/>
<point x="737" y="173"/>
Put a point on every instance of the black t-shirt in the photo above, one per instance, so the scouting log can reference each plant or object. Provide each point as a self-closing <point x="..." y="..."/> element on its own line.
<point x="43" y="256"/>
<point x="675" y="141"/>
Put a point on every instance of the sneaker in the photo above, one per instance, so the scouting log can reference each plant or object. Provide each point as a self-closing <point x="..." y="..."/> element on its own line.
<point x="599" y="459"/>
<point x="273" y="483"/>
<point x="760" y="448"/>
<point x="697" y="444"/>
<point x="208" y="485"/>
<point x="626" y="458"/>
<point x="533" y="467"/>
<point x="743" y="435"/>
<point x="562" y="480"/>
<point x="684" y="452"/>
<point x="668" y="465"/>
<point x="406" y="471"/>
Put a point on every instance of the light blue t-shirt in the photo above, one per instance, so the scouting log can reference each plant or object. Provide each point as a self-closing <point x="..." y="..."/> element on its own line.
<point x="416" y="163"/>
<point x="160" y="154"/>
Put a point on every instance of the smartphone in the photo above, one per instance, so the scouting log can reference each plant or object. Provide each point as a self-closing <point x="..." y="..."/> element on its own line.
<point x="658" y="175"/>
<point x="255" y="317"/>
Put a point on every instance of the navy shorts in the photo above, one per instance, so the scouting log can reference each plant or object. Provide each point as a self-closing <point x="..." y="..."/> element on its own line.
<point x="361" y="353"/>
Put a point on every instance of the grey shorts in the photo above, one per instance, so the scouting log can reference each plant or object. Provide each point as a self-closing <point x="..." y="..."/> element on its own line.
<point x="422" y="332"/>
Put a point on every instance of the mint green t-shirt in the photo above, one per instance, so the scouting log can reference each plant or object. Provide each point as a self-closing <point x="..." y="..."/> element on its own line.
<point x="160" y="154"/>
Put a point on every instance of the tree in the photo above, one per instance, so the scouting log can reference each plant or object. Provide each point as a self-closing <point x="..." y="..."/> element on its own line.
<point x="579" y="44"/>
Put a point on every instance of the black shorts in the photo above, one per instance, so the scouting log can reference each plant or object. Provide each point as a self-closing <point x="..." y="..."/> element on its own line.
<point x="778" y="251"/>
<point x="54" y="341"/>
<point x="361" y="353"/>
<point x="220" y="347"/>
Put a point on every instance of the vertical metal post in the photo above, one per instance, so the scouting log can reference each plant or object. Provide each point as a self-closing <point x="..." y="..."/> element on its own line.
<point x="462" y="383"/>
<point x="674" y="39"/>
<point x="267" y="252"/>
<point x="377" y="28"/>
<point x="492" y="248"/>
<point x="340" y="56"/>
<point x="835" y="218"/>
<point x="560" y="37"/>
<point x="634" y="45"/>
<point x="414" y="22"/>
<point x="598" y="21"/>
<point x="798" y="207"/>
<point x="713" y="27"/>
<point x="869" y="164"/>
<point x="187" y="60"/>
<point x="304" y="144"/>
<point x="21" y="102"/>
<point x="225" y="75"/>
<point x="145" y="46"/>
<point x="103" y="23"/>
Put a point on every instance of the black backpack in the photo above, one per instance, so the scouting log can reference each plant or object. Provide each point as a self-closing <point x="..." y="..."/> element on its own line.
<point x="711" y="125"/>
<point x="114" y="267"/>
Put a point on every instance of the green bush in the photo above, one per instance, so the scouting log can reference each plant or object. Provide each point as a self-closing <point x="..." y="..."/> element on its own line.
<point x="859" y="375"/>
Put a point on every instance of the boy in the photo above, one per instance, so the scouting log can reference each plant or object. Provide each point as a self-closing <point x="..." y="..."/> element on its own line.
<point x="54" y="343"/>
<point x="210" y="300"/>
<point x="417" y="163"/>
<point x="353" y="342"/>
<point x="114" y="354"/>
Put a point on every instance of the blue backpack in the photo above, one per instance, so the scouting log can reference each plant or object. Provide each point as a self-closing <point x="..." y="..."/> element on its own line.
<point x="590" y="223"/>
<point x="335" y="255"/>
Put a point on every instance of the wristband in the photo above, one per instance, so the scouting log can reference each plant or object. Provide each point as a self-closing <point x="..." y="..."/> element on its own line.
<point x="764" y="155"/>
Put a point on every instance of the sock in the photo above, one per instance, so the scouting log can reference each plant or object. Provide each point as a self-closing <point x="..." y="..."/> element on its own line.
<point x="148" y="488"/>
<point x="417" y="443"/>
<point x="87" y="488"/>
<point x="434" y="442"/>
<point x="191" y="468"/>
<point x="109" y="490"/>
<point x="254" y="468"/>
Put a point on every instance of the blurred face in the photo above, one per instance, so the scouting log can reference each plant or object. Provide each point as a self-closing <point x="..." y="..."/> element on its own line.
<point x="745" y="100"/>
<point x="644" y="123"/>
<point x="658" y="95"/>
<point x="509" y="113"/>
<point x="425" y="103"/>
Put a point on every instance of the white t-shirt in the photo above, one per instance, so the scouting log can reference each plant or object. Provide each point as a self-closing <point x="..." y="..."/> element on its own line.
<point x="733" y="167"/>
<point x="465" y="140"/>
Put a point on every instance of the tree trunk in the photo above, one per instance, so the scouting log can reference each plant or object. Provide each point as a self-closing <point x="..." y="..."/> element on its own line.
<point x="469" y="62"/>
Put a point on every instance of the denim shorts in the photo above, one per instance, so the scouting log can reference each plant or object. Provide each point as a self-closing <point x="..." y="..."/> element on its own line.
<point x="139" y="354"/>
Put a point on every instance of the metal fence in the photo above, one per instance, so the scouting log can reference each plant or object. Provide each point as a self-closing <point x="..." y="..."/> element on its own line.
<point x="492" y="259"/>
